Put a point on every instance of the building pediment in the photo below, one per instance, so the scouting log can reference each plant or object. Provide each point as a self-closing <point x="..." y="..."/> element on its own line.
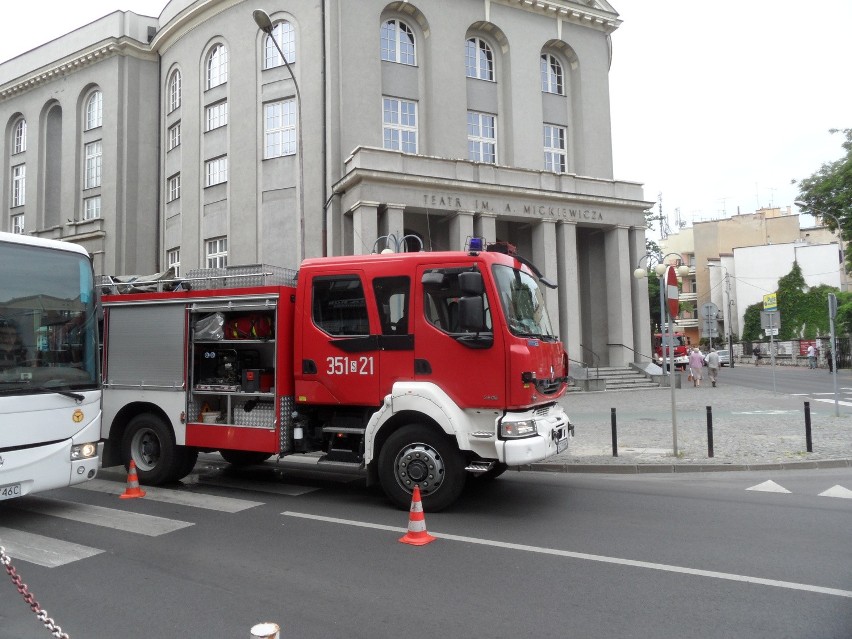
<point x="597" y="14"/>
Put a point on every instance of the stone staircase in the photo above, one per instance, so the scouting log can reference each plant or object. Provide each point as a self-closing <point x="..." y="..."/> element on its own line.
<point x="618" y="378"/>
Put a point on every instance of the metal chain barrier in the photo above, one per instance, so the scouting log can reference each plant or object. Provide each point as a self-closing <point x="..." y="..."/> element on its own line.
<point x="41" y="614"/>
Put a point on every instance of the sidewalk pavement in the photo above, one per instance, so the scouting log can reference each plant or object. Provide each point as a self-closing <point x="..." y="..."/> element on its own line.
<point x="752" y="430"/>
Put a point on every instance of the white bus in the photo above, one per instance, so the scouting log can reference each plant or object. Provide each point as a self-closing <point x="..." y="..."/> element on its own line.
<point x="50" y="397"/>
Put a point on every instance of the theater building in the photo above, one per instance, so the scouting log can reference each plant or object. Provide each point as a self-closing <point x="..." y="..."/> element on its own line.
<point x="185" y="141"/>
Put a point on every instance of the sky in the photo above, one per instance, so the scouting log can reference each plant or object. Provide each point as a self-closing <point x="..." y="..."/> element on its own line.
<point x="716" y="106"/>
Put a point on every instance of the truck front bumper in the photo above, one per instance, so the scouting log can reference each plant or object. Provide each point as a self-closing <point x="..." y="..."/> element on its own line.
<point x="554" y="432"/>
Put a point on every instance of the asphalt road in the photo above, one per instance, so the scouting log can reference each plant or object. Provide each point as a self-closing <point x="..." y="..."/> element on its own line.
<point x="793" y="380"/>
<point x="530" y="554"/>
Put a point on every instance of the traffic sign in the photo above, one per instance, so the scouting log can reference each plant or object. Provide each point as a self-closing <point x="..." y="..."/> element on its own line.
<point x="770" y="302"/>
<point x="672" y="293"/>
<point x="770" y="319"/>
<point x="772" y="331"/>
<point x="709" y="310"/>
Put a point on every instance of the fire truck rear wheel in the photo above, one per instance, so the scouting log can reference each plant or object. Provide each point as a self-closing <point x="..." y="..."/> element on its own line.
<point x="418" y="455"/>
<point x="151" y="444"/>
<point x="244" y="457"/>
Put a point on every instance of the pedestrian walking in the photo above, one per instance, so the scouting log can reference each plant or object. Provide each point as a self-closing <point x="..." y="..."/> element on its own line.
<point x="696" y="366"/>
<point x="755" y="352"/>
<point x="829" y="361"/>
<point x="713" y="366"/>
<point x="811" y="356"/>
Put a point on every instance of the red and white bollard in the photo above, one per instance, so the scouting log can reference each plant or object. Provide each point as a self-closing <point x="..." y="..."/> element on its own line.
<point x="266" y="631"/>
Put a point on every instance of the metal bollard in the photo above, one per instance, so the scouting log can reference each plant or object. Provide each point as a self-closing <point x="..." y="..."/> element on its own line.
<point x="265" y="631"/>
<point x="709" y="431"/>
<point x="809" y="445"/>
<point x="614" y="433"/>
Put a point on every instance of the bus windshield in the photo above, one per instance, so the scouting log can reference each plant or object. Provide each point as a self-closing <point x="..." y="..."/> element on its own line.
<point x="48" y="323"/>
<point x="523" y="303"/>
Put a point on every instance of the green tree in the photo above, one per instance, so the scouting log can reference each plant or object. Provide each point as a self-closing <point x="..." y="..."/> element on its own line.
<point x="829" y="191"/>
<point x="751" y="323"/>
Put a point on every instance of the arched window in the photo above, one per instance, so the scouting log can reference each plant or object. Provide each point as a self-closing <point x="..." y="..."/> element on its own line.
<point x="94" y="110"/>
<point x="19" y="136"/>
<point x="285" y="36"/>
<point x="174" y="90"/>
<point x="398" y="42"/>
<point x="551" y="75"/>
<point x="479" y="60"/>
<point x="217" y="66"/>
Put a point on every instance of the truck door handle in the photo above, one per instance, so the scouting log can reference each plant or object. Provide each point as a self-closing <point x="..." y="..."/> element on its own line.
<point x="422" y="367"/>
<point x="309" y="367"/>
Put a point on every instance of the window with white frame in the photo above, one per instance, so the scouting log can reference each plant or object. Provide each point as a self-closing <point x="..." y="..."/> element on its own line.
<point x="19" y="136"/>
<point x="174" y="90"/>
<point x="217" y="66"/>
<point x="479" y="60"/>
<point x="399" y="125"/>
<point x="19" y="184"/>
<point x="94" y="110"/>
<point x="174" y="136"/>
<point x="279" y="128"/>
<point x="216" y="171"/>
<point x="174" y="188"/>
<point x="284" y="34"/>
<point x="397" y="42"/>
<point x="92" y="208"/>
<point x="17" y="223"/>
<point x="93" y="164"/>
<point x="555" y="153"/>
<point x="551" y="75"/>
<point x="173" y="260"/>
<point x="216" y="115"/>
<point x="481" y="137"/>
<point x="217" y="252"/>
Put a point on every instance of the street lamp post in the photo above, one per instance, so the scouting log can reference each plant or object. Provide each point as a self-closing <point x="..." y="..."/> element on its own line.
<point x="727" y="317"/>
<point x="661" y="268"/>
<point x="264" y="22"/>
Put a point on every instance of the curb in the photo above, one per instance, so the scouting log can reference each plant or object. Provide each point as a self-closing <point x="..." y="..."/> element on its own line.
<point x="626" y="469"/>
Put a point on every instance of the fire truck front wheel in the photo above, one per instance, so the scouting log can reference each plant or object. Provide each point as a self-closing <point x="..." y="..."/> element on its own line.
<point x="419" y="456"/>
<point x="151" y="445"/>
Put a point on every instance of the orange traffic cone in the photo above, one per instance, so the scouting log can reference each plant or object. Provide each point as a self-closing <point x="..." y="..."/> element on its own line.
<point x="416" y="535"/>
<point x="133" y="489"/>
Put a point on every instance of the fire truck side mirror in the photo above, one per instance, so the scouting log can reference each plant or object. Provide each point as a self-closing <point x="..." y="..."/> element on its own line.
<point x="472" y="314"/>
<point x="470" y="283"/>
<point x="432" y="279"/>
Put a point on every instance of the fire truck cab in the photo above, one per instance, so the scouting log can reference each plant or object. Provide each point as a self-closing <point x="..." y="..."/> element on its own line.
<point x="417" y="368"/>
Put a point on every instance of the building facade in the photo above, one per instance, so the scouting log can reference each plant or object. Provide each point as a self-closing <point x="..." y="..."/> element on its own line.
<point x="423" y="123"/>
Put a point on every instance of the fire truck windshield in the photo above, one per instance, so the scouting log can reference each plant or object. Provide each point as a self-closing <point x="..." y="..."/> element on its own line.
<point x="523" y="303"/>
<point x="677" y="340"/>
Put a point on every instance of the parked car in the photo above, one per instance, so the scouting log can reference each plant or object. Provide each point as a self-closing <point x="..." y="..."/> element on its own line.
<point x="724" y="358"/>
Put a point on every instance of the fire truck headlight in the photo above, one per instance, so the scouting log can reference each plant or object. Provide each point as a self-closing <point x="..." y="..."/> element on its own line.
<point x="514" y="430"/>
<point x="83" y="451"/>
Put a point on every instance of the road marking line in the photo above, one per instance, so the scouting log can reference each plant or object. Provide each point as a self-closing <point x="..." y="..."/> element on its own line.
<point x="43" y="551"/>
<point x="790" y="585"/>
<point x="837" y="491"/>
<point x="148" y="525"/>
<point x="289" y="490"/>
<point x="769" y="486"/>
<point x="831" y="401"/>
<point x="179" y="497"/>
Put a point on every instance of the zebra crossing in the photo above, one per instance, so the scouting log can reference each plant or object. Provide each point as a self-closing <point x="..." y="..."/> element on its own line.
<point x="49" y="552"/>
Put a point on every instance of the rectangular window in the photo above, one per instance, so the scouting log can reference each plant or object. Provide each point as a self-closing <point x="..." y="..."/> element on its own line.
<point x="216" y="171"/>
<point x="339" y="306"/>
<point x="173" y="260"/>
<point x="92" y="177"/>
<point x="92" y="208"/>
<point x="174" y="136"/>
<point x="555" y="153"/>
<point x="481" y="137"/>
<point x="279" y="128"/>
<point x="19" y="184"/>
<point x="399" y="125"/>
<point x="17" y="224"/>
<point x="174" y="188"/>
<point x="217" y="252"/>
<point x="217" y="115"/>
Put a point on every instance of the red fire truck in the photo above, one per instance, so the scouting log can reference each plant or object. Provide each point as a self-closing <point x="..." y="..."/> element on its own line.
<point x="680" y="343"/>
<point x="415" y="368"/>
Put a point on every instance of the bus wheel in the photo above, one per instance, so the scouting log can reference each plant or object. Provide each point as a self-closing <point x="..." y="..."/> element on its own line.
<point x="419" y="456"/>
<point x="151" y="445"/>
<point x="244" y="457"/>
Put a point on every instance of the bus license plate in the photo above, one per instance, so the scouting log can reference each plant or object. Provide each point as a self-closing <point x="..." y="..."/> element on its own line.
<point x="9" y="491"/>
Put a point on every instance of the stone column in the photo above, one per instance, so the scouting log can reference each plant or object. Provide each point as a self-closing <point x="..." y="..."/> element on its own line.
<point x="461" y="228"/>
<point x="570" y="324"/>
<point x="619" y="304"/>
<point x="639" y="293"/>
<point x="392" y="223"/>
<point x="365" y="226"/>
<point x="485" y="226"/>
<point x="544" y="257"/>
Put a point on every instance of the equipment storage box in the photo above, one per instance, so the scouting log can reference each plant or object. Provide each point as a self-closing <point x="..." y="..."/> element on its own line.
<point x="251" y="380"/>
